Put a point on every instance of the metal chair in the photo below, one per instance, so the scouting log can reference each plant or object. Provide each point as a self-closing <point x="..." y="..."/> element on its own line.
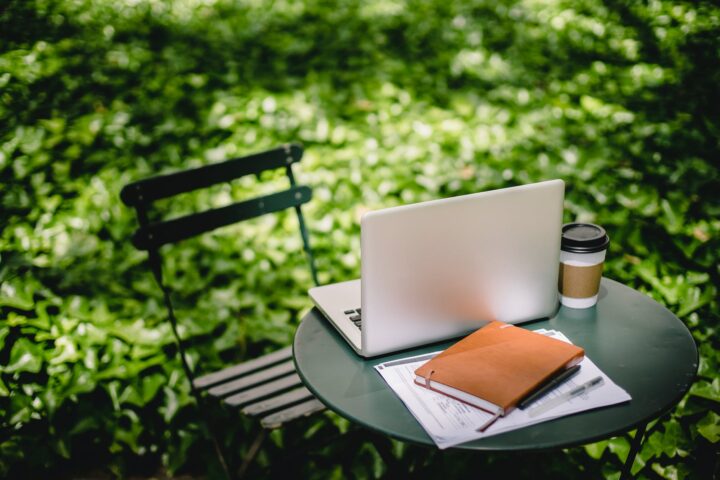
<point x="266" y="387"/>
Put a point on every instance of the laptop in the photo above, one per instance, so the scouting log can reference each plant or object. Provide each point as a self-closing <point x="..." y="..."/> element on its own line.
<point x="439" y="269"/>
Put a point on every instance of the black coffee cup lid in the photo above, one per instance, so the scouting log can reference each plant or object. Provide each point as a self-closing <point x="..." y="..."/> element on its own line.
<point x="583" y="238"/>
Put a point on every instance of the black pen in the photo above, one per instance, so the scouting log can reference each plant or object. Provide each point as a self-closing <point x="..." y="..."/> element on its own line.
<point x="548" y="387"/>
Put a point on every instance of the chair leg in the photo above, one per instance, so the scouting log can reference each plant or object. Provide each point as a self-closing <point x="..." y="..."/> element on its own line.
<point x="216" y="444"/>
<point x="157" y="270"/>
<point x="302" y="452"/>
<point x="252" y="453"/>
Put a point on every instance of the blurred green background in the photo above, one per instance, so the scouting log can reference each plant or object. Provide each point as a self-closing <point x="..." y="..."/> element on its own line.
<point x="395" y="102"/>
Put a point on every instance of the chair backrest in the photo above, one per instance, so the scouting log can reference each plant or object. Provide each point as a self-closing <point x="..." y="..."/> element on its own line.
<point x="152" y="235"/>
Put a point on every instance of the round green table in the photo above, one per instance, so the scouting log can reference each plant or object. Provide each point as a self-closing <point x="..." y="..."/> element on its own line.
<point x="638" y="343"/>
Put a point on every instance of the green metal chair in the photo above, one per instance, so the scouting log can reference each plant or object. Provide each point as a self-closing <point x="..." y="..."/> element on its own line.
<point x="266" y="387"/>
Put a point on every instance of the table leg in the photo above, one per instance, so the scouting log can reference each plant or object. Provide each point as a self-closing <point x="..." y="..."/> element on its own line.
<point x="634" y="449"/>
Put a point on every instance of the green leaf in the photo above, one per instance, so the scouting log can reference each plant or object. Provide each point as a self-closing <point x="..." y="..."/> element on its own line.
<point x="83" y="425"/>
<point x="24" y="357"/>
<point x="20" y="410"/>
<point x="619" y="446"/>
<point x="61" y="448"/>
<point x="595" y="450"/>
<point x="130" y="370"/>
<point x="708" y="390"/>
<point x="171" y="405"/>
<point x="4" y="331"/>
<point x="112" y="390"/>
<point x="671" y="441"/>
<point x="709" y="427"/>
<point x="671" y="472"/>
<point x="83" y="381"/>
<point x="129" y="430"/>
<point x="15" y="294"/>
<point x="4" y="390"/>
<point x="150" y="386"/>
<point x="695" y="298"/>
<point x="673" y="215"/>
<point x="66" y="351"/>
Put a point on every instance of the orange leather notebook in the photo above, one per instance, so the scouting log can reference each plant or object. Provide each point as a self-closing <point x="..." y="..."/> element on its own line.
<point x="497" y="366"/>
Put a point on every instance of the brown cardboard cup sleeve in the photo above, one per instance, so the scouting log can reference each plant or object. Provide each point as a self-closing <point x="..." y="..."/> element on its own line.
<point x="579" y="282"/>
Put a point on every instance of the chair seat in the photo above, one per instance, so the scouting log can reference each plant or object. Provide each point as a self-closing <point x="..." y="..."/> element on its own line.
<point x="266" y="387"/>
<point x="303" y="409"/>
<point x="230" y="373"/>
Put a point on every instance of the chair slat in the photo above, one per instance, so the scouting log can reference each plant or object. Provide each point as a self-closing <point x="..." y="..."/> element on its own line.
<point x="280" y="401"/>
<point x="244" y="368"/>
<point x="265" y="390"/>
<point x="252" y="380"/>
<point x="157" y="234"/>
<point x="277" y="419"/>
<point x="154" y="188"/>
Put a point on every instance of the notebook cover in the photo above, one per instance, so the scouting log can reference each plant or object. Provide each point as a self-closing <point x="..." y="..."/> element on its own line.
<point x="501" y="363"/>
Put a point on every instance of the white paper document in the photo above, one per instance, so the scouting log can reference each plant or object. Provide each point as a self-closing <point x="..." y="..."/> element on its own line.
<point x="450" y="422"/>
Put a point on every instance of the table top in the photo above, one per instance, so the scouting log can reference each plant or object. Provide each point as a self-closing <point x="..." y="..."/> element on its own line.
<point x="637" y="342"/>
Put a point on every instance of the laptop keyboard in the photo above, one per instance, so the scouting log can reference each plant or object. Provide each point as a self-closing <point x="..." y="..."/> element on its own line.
<point x="354" y="316"/>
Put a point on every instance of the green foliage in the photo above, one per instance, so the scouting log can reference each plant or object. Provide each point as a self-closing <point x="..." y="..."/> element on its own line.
<point x="395" y="102"/>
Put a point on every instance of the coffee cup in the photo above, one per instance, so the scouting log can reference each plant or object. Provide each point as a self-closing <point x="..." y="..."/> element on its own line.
<point x="582" y="255"/>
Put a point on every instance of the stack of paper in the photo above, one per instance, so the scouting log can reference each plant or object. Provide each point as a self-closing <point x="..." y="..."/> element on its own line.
<point x="450" y="422"/>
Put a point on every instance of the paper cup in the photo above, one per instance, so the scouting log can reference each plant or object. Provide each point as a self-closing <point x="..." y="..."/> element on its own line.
<point x="582" y="256"/>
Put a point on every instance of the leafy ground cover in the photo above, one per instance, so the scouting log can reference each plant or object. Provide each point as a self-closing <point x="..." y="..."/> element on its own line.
<point x="395" y="102"/>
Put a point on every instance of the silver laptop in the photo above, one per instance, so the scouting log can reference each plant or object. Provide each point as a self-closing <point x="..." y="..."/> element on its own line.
<point x="436" y="270"/>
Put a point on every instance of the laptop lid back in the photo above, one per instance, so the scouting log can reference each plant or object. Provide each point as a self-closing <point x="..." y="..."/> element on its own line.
<point x="438" y="269"/>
